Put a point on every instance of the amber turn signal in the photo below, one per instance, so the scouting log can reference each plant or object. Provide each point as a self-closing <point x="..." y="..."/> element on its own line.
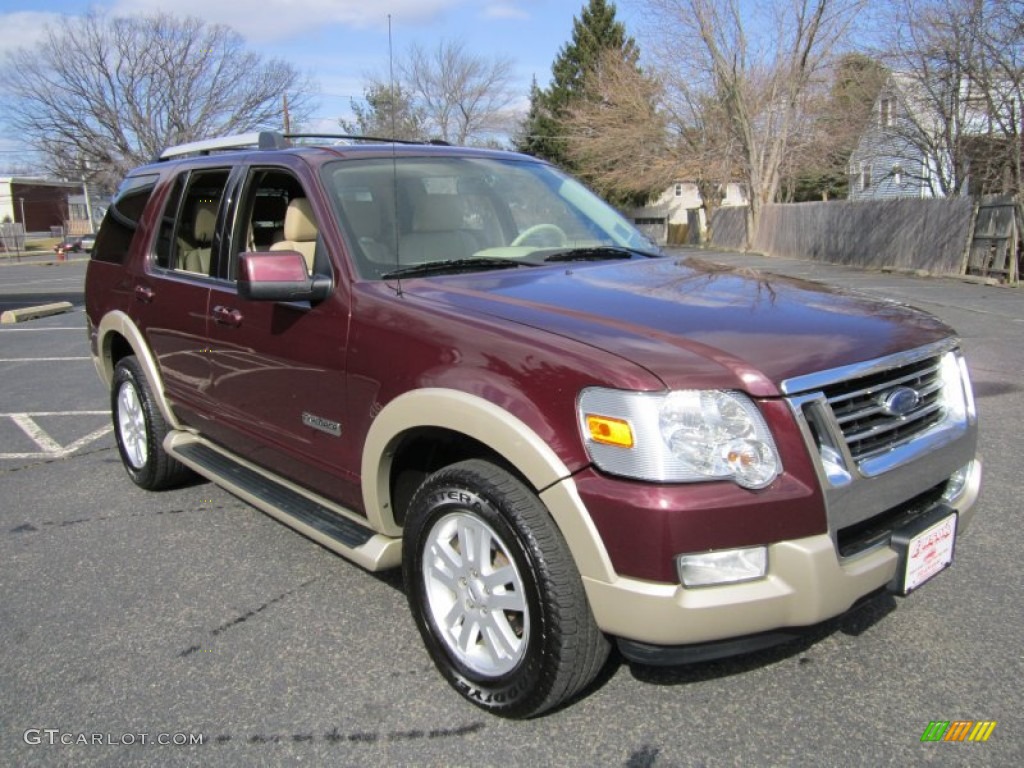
<point x="609" y="431"/>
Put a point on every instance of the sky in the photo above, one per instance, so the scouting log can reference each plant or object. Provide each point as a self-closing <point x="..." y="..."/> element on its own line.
<point x="338" y="42"/>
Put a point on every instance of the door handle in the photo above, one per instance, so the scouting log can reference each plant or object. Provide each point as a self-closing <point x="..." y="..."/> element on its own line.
<point x="144" y="293"/>
<point x="225" y="316"/>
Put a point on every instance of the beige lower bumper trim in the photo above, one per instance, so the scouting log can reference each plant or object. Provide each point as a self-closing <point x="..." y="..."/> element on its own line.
<point x="806" y="584"/>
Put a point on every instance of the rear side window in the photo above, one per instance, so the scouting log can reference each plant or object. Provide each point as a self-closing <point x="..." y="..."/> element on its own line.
<point x="122" y="219"/>
<point x="188" y="227"/>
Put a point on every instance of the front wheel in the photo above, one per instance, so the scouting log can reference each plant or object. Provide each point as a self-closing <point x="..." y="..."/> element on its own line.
<point x="139" y="429"/>
<point x="495" y="592"/>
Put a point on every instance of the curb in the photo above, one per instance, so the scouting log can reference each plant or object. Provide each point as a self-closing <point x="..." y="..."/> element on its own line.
<point x="39" y="261"/>
<point x="31" y="313"/>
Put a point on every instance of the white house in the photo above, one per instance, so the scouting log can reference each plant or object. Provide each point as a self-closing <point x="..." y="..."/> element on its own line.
<point x="680" y="204"/>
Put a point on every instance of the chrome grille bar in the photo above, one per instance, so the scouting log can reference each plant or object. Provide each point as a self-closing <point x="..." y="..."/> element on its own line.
<point x="861" y="412"/>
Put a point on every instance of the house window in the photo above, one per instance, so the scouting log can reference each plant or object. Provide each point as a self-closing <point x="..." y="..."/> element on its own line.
<point x="865" y="175"/>
<point x="897" y="175"/>
<point x="679" y="190"/>
<point x="885" y="113"/>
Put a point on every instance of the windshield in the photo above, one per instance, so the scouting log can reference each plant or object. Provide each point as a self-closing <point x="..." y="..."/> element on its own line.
<point x="422" y="216"/>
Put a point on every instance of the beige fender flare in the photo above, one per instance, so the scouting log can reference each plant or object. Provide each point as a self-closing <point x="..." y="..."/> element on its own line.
<point x="118" y="322"/>
<point x="504" y="433"/>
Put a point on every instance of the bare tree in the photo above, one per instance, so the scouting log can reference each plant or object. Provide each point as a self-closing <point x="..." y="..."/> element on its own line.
<point x="629" y="141"/>
<point x="817" y="167"/>
<point x="1000" y="71"/>
<point x="758" y="64"/>
<point x="618" y="138"/>
<point x="463" y="97"/>
<point x="706" y="149"/>
<point x="959" y="70"/>
<point x="103" y="95"/>
<point x="929" y="48"/>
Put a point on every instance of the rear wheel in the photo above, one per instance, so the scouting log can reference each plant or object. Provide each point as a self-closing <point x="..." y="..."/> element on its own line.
<point x="495" y="592"/>
<point x="139" y="429"/>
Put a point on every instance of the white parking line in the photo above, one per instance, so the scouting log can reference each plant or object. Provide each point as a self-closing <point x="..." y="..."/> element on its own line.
<point x="54" y="413"/>
<point x="41" y="359"/>
<point x="48" y="447"/>
<point x="47" y="281"/>
<point x="55" y="328"/>
<point x="37" y="433"/>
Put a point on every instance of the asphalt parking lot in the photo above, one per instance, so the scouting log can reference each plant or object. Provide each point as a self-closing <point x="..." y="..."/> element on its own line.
<point x="128" y="619"/>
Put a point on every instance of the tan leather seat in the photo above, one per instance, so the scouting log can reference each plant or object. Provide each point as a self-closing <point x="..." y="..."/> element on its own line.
<point x="364" y="220"/>
<point x="266" y="226"/>
<point x="300" y="231"/>
<point x="438" y="232"/>
<point x="204" y="224"/>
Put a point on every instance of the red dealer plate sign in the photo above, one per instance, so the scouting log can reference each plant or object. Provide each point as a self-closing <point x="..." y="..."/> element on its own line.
<point x="927" y="553"/>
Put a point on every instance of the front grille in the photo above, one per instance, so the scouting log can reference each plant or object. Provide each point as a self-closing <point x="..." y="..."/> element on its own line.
<point x="877" y="530"/>
<point x="868" y="425"/>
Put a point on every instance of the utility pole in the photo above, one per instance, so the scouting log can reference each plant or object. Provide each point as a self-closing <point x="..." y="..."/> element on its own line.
<point x="287" y="118"/>
<point x="19" y="241"/>
<point x="88" y="207"/>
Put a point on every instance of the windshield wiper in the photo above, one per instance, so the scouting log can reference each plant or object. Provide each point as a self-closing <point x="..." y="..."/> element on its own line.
<point x="596" y="253"/>
<point x="454" y="266"/>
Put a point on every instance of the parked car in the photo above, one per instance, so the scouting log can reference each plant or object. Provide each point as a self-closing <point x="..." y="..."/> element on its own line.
<point x="462" y="363"/>
<point x="69" y="244"/>
<point x="75" y="244"/>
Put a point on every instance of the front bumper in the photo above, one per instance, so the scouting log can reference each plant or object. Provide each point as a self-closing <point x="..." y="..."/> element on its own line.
<point x="807" y="583"/>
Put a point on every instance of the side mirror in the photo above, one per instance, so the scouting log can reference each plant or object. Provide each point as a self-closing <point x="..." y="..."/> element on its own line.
<point x="279" y="276"/>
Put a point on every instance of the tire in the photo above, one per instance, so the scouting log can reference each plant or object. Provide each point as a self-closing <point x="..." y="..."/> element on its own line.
<point x="511" y="631"/>
<point x="139" y="429"/>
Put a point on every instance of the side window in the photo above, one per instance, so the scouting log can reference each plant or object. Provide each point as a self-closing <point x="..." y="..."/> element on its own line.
<point x="166" y="252"/>
<point x="274" y="214"/>
<point x="186" y="238"/>
<point x="122" y="219"/>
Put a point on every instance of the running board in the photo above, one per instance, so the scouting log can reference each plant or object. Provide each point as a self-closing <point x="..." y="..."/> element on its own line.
<point x="326" y="523"/>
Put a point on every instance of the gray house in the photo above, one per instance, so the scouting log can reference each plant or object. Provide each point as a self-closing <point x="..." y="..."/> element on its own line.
<point x="930" y="139"/>
<point x="891" y="158"/>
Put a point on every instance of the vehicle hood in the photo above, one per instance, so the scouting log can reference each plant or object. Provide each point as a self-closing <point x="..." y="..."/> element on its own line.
<point x="693" y="323"/>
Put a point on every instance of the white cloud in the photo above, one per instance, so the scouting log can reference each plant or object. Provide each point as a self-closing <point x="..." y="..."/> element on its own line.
<point x="24" y="29"/>
<point x="505" y="11"/>
<point x="269" y="20"/>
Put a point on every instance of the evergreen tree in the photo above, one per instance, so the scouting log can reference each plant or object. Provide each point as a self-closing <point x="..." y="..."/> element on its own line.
<point x="388" y="113"/>
<point x="594" y="31"/>
<point x="819" y="170"/>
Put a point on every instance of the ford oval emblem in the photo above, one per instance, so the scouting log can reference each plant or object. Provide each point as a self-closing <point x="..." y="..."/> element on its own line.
<point x="901" y="401"/>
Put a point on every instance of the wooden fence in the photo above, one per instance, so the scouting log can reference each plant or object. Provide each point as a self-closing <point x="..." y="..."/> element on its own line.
<point x="932" y="235"/>
<point x="995" y="239"/>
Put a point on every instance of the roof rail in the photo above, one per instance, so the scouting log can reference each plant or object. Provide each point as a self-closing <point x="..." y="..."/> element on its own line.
<point x="271" y="140"/>
<point x="376" y="139"/>
<point x="255" y="140"/>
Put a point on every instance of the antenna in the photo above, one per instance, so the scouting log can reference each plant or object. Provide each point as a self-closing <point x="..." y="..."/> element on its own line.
<point x="391" y="76"/>
<point x="394" y="155"/>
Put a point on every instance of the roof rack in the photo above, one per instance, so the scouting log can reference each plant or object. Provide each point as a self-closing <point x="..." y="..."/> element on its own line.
<point x="270" y="140"/>
<point x="374" y="139"/>
<point x="255" y="140"/>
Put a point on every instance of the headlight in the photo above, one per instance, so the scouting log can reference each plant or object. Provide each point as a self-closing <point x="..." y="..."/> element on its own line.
<point x="680" y="436"/>
<point x="958" y="395"/>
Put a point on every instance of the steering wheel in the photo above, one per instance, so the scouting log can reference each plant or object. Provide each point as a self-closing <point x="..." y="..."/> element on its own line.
<point x="544" y="235"/>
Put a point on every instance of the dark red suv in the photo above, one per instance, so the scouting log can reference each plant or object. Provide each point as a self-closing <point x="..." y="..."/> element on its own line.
<point x="463" y="363"/>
